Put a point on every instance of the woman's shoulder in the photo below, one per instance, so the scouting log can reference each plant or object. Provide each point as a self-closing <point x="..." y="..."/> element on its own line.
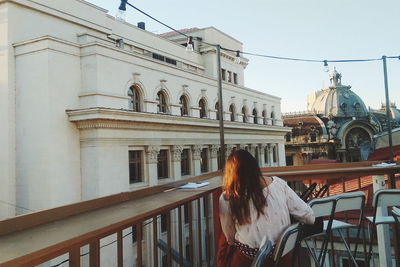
<point x="277" y="180"/>
<point x="223" y="197"/>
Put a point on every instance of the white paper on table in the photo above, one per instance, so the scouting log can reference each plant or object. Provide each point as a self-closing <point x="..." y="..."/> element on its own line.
<point x="384" y="164"/>
<point x="194" y="185"/>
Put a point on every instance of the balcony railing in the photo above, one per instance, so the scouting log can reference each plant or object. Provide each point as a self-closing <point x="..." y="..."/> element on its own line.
<point x="157" y="226"/>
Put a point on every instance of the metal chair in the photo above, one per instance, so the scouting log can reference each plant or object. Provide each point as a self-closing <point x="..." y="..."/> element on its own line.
<point x="383" y="198"/>
<point x="396" y="216"/>
<point x="322" y="207"/>
<point x="349" y="202"/>
<point x="308" y="192"/>
<point x="286" y="243"/>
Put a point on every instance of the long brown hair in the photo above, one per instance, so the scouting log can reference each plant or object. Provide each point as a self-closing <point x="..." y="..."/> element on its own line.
<point x="242" y="183"/>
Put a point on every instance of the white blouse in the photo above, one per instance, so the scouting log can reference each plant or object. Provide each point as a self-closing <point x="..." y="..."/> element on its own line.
<point x="282" y="202"/>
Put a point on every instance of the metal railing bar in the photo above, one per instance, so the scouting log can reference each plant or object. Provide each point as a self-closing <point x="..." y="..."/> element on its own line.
<point x="94" y="253"/>
<point x="169" y="238"/>
<point x="190" y="232"/>
<point x="139" y="237"/>
<point x="199" y="232"/>
<point x="180" y="237"/>
<point x="155" y="238"/>
<point x="119" y="249"/>
<point x="207" y="237"/>
<point x="74" y="257"/>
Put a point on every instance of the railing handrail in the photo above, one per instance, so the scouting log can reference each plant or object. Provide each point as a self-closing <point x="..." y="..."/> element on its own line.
<point x="46" y="241"/>
<point x="20" y="230"/>
<point x="34" y="219"/>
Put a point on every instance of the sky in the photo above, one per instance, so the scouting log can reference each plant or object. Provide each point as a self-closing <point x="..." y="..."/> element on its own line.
<point x="310" y="29"/>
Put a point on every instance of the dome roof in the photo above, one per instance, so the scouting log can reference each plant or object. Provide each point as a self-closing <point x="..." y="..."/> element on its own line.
<point x="338" y="100"/>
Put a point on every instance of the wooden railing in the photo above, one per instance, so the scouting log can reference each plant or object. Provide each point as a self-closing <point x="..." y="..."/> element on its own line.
<point x="85" y="233"/>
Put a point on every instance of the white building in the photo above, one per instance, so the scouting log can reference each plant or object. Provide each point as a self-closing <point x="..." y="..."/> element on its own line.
<point x="91" y="106"/>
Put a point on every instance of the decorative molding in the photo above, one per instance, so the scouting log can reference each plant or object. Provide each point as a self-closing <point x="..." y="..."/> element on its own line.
<point x="214" y="150"/>
<point x="176" y="153"/>
<point x="152" y="153"/>
<point x="162" y="83"/>
<point x="136" y="77"/>
<point x="229" y="149"/>
<point x="197" y="152"/>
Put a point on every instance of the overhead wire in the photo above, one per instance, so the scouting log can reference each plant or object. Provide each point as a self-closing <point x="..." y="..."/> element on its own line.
<point x="262" y="55"/>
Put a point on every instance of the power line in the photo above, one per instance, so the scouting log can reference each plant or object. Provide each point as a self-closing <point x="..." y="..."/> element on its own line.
<point x="262" y="55"/>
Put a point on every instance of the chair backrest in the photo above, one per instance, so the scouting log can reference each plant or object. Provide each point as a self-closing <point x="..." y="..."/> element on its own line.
<point x="322" y="191"/>
<point x="262" y="254"/>
<point x="350" y="201"/>
<point x="306" y="194"/>
<point x="386" y="198"/>
<point x="396" y="215"/>
<point x="323" y="206"/>
<point x="287" y="242"/>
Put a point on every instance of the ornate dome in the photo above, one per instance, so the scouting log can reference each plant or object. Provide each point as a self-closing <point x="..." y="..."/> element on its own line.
<point x="338" y="100"/>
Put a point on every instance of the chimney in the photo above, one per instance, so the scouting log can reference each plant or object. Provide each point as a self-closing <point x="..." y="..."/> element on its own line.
<point x="141" y="25"/>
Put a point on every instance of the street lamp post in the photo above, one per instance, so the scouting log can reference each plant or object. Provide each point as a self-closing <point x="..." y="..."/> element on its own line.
<point x="220" y="109"/>
<point x="389" y="124"/>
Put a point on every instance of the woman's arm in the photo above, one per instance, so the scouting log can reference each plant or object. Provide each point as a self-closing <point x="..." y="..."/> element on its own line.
<point x="298" y="208"/>
<point x="227" y="223"/>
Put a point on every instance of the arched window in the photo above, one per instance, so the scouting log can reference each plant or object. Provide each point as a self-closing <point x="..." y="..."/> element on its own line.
<point x="273" y="118"/>
<point x="184" y="105"/>
<point x="264" y="116"/>
<point x="161" y="102"/>
<point x="244" y="114"/>
<point x="202" y="106"/>
<point x="217" y="110"/>
<point x="255" y="115"/>
<point x="313" y="137"/>
<point x="134" y="101"/>
<point x="232" y="110"/>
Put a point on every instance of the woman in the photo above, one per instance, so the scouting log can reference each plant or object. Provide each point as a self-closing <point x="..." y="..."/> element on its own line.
<point x="252" y="206"/>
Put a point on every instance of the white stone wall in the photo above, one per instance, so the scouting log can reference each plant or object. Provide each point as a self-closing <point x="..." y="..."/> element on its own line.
<point x="7" y="115"/>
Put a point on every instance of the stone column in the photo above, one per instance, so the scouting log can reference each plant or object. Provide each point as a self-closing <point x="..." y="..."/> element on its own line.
<point x="262" y="155"/>
<point x="196" y="150"/>
<point x="176" y="153"/>
<point x="271" y="155"/>
<point x="151" y="164"/>
<point x="281" y="158"/>
<point x="252" y="149"/>
<point x="228" y="151"/>
<point x="214" y="157"/>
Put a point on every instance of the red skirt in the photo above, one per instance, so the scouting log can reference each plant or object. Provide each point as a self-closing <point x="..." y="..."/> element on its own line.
<point x="229" y="256"/>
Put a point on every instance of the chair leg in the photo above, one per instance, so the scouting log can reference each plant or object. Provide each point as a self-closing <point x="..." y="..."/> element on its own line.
<point x="312" y="253"/>
<point x="370" y="242"/>
<point x="348" y="248"/>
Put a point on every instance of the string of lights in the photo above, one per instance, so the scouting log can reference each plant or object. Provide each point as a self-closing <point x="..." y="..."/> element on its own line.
<point x="238" y="52"/>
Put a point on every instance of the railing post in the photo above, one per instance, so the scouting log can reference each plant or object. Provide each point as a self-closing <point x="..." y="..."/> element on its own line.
<point x="75" y="257"/>
<point x="382" y="231"/>
<point x="120" y="248"/>
<point x="94" y="252"/>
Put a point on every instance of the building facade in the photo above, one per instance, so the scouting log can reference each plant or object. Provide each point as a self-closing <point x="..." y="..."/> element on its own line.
<point x="337" y="126"/>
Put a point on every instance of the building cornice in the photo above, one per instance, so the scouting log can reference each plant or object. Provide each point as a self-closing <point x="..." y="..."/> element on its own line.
<point x="94" y="118"/>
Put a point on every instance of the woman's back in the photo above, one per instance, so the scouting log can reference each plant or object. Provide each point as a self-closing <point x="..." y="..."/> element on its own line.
<point x="281" y="202"/>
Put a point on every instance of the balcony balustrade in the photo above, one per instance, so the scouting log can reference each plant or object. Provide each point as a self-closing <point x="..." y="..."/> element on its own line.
<point x="158" y="226"/>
